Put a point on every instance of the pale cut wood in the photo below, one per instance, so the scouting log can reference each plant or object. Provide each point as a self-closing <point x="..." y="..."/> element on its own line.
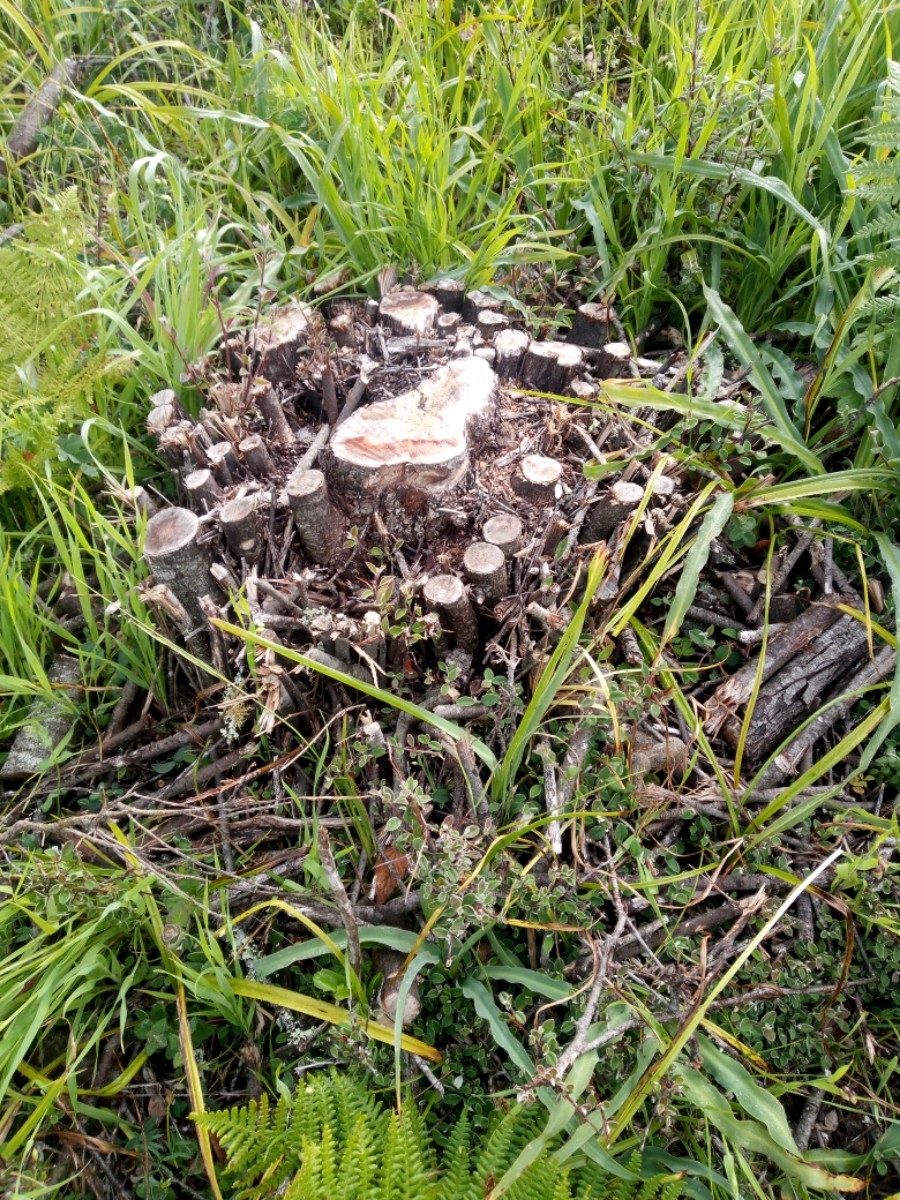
<point x="175" y="557"/>
<point x="448" y="595"/>
<point x="320" y="526"/>
<point x="536" y="478"/>
<point x="140" y="500"/>
<point x="550" y="366"/>
<point x="410" y="314"/>
<point x="485" y="568"/>
<point x="280" y="339"/>
<point x="504" y="530"/>
<point x="49" y="721"/>
<point x="165" y="410"/>
<point x="419" y="439"/>
<point x="478" y="302"/>
<point x="243" y="527"/>
<point x="177" y="444"/>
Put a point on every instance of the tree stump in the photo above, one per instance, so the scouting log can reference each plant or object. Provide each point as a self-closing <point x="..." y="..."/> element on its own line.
<point x="447" y="594"/>
<point x="319" y="524"/>
<point x="537" y="478"/>
<point x="278" y="341"/>
<point x="175" y="557"/>
<point x="404" y="454"/>
<point x="411" y="314"/>
<point x="485" y="569"/>
<point x="504" y="531"/>
<point x="550" y="366"/>
<point x="509" y="347"/>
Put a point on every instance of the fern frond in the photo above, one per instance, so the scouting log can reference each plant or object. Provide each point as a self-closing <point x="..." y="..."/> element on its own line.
<point x="334" y="1141"/>
<point x="408" y="1170"/>
<point x="886" y="223"/>
<point x="51" y="369"/>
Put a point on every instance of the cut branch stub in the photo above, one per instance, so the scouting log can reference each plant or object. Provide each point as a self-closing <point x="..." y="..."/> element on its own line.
<point x="257" y="456"/>
<point x="611" y="510"/>
<point x="243" y="528"/>
<point x="411" y="313"/>
<point x="448" y="595"/>
<point x="591" y="326"/>
<point x="537" y="478"/>
<point x="509" y="347"/>
<point x="223" y="463"/>
<point x="418" y="440"/>
<point x="269" y="406"/>
<point x="550" y="366"/>
<point x="505" y="531"/>
<point x="165" y="410"/>
<point x="280" y="340"/>
<point x="613" y="360"/>
<point x="175" y="557"/>
<point x="485" y="568"/>
<point x="319" y="524"/>
<point x="202" y="490"/>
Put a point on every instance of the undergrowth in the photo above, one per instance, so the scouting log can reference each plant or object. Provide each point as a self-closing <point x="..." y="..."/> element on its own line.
<point x="727" y="170"/>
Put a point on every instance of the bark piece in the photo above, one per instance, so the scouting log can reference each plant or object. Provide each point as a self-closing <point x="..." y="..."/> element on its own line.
<point x="42" y="107"/>
<point x="557" y="528"/>
<point x="504" y="531"/>
<point x="280" y="340"/>
<point x="795" y="691"/>
<point x="734" y="693"/>
<point x="590" y="326"/>
<point x="319" y="524"/>
<point x="419" y="439"/>
<point x="537" y="478"/>
<point x="510" y="346"/>
<point x="788" y="762"/>
<point x="257" y="456"/>
<point x="485" y="568"/>
<point x="243" y="528"/>
<point x="448" y="595"/>
<point x="550" y="366"/>
<point x="202" y="490"/>
<point x="175" y="557"/>
<point x="49" y="721"/>
<point x="410" y="314"/>
<point x="611" y="509"/>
